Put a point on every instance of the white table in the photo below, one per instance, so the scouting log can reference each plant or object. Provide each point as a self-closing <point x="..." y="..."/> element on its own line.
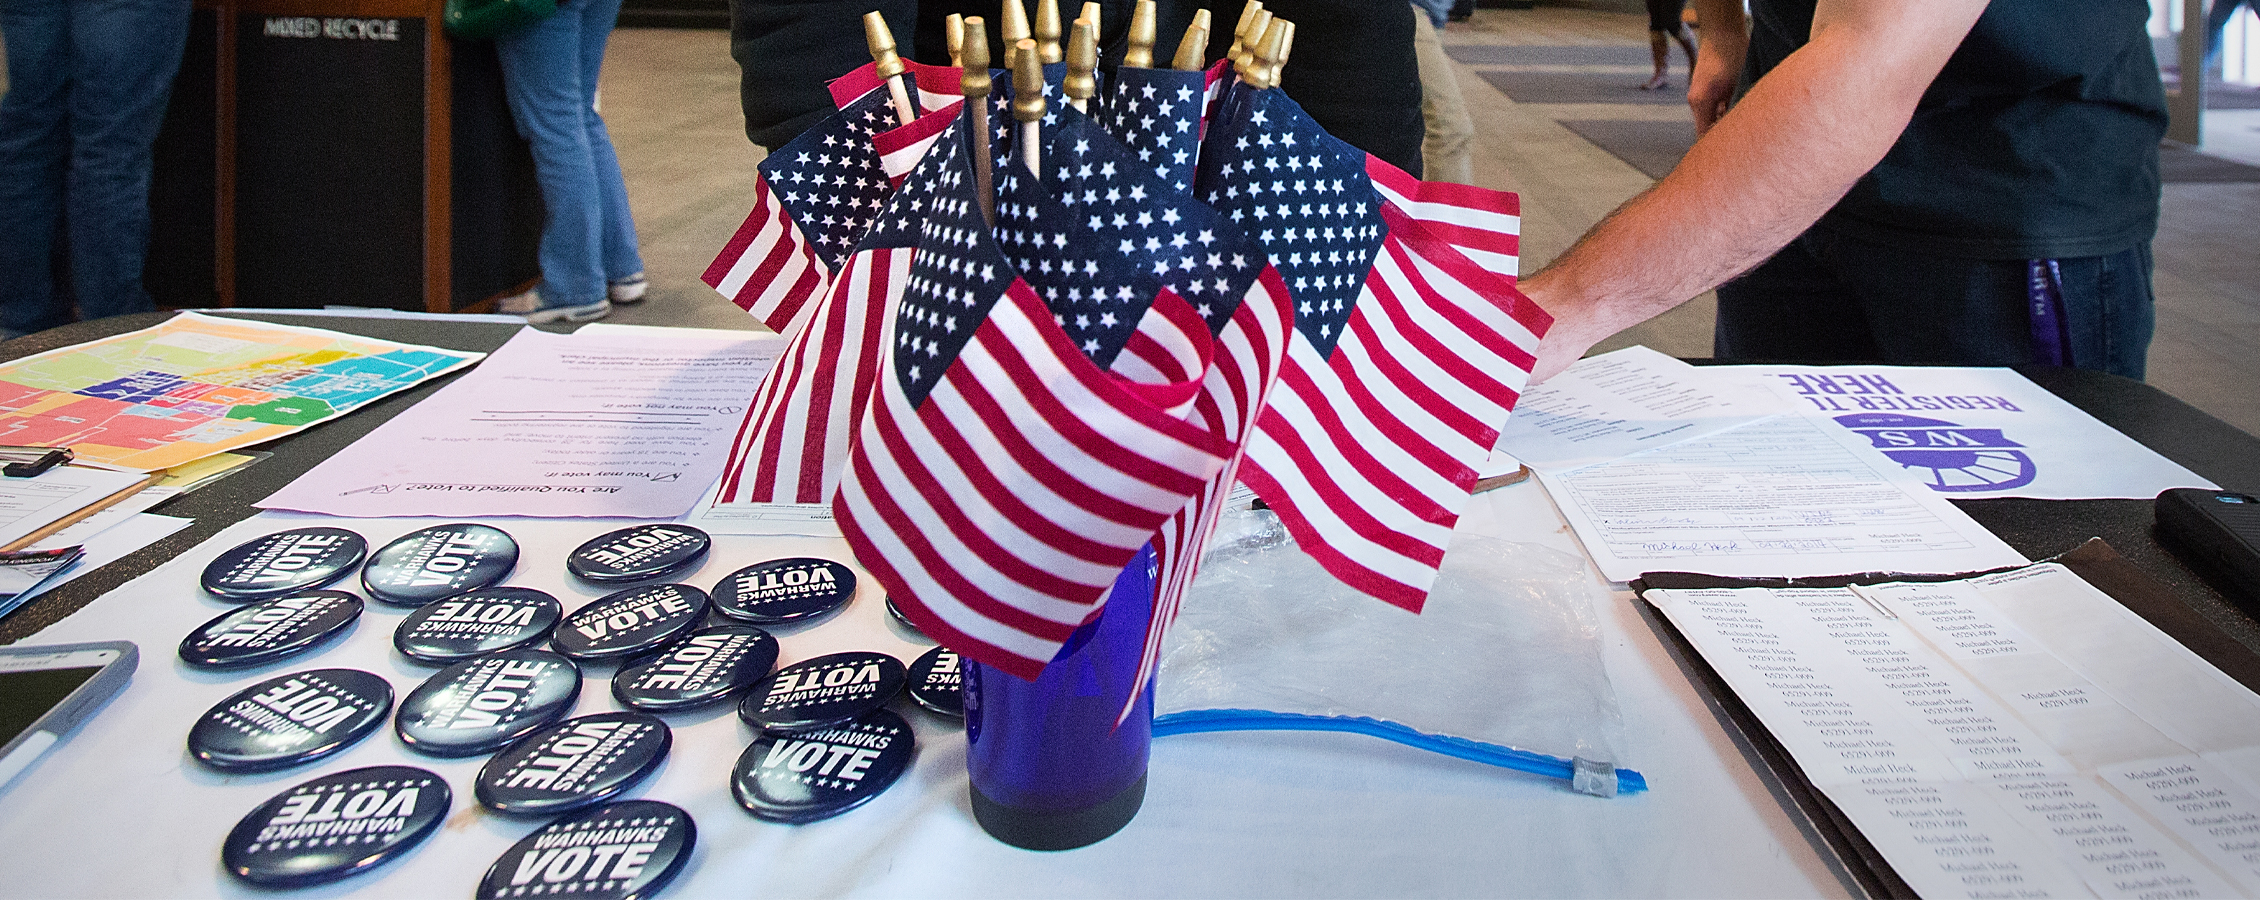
<point x="120" y="809"/>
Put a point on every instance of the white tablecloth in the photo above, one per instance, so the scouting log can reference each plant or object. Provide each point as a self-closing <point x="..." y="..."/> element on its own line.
<point x="120" y="810"/>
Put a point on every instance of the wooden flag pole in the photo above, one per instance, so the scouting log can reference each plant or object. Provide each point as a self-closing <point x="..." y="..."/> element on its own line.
<point x="976" y="85"/>
<point x="1192" y="49"/>
<point x="1081" y="83"/>
<point x="1028" y="103"/>
<point x="1047" y="32"/>
<point x="1140" y="54"/>
<point x="953" y="33"/>
<point x="882" y="44"/>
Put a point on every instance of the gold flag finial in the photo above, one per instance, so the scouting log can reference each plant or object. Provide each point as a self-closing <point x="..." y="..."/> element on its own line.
<point x="1192" y="49"/>
<point x="953" y="32"/>
<point x="1081" y="85"/>
<point x="1140" y="54"/>
<point x="1240" y="28"/>
<point x="975" y="82"/>
<point x="1243" y="60"/>
<point x="1271" y="53"/>
<point x="1013" y="29"/>
<point x="1090" y="12"/>
<point x="1027" y="82"/>
<point x="882" y="43"/>
<point x="1047" y="31"/>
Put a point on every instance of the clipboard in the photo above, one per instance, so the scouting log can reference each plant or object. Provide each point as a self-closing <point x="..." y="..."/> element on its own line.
<point x="1840" y="843"/>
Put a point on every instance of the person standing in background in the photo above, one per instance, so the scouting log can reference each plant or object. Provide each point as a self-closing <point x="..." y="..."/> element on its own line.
<point x="1446" y="147"/>
<point x="588" y="251"/>
<point x="2217" y="21"/>
<point x="1664" y="25"/>
<point x="1908" y="182"/>
<point x="88" y="84"/>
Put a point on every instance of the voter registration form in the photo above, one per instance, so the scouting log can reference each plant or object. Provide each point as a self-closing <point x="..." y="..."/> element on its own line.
<point x="2019" y="734"/>
<point x="1780" y="497"/>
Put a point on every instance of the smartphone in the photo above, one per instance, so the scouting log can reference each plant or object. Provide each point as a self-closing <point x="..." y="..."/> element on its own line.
<point x="2218" y="534"/>
<point x="46" y="691"/>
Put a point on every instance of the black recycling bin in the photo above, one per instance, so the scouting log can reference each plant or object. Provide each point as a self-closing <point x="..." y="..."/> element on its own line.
<point x="339" y="152"/>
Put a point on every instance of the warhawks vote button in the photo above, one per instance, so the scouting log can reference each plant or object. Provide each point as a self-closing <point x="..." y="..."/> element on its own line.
<point x="895" y="610"/>
<point x="290" y="719"/>
<point x="708" y="666"/>
<point x="440" y="561"/>
<point x="476" y="623"/>
<point x="270" y="630"/>
<point x="785" y="590"/>
<point x="822" y="692"/>
<point x="629" y="622"/>
<point x="336" y="825"/>
<point x="641" y="553"/>
<point x="937" y="682"/>
<point x="478" y="705"/>
<point x="284" y="562"/>
<point x="796" y="778"/>
<point x="627" y="850"/>
<point x="573" y="763"/>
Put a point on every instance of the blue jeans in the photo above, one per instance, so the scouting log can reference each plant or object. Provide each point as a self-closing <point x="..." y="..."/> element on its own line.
<point x="1834" y="299"/>
<point x="88" y="81"/>
<point x="549" y="73"/>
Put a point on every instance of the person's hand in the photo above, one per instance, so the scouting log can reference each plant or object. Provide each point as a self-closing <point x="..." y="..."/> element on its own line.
<point x="1710" y="89"/>
<point x="1725" y="38"/>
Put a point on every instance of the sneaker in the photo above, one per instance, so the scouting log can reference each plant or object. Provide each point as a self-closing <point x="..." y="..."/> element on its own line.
<point x="530" y="306"/>
<point x="627" y="290"/>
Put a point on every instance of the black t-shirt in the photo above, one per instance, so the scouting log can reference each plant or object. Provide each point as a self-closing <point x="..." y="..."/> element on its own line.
<point x="2038" y="140"/>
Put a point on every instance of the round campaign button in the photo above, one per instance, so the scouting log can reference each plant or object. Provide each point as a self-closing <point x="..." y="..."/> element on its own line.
<point x="476" y="623"/>
<point x="708" y="666"/>
<point x="641" y="553"/>
<point x="822" y="692"/>
<point x="284" y="563"/>
<point x="627" y="850"/>
<point x="811" y="775"/>
<point x="270" y="630"/>
<point x="440" y="561"/>
<point x="630" y="622"/>
<point x="336" y="825"/>
<point x="784" y="590"/>
<point x="895" y="610"/>
<point x="290" y="719"/>
<point x="478" y="705"/>
<point x="936" y="681"/>
<point x="573" y="763"/>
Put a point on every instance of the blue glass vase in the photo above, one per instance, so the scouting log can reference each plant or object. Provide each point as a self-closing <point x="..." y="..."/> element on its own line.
<point x="1051" y="769"/>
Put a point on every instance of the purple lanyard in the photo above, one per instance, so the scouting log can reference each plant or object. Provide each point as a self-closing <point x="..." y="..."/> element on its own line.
<point x="2044" y="288"/>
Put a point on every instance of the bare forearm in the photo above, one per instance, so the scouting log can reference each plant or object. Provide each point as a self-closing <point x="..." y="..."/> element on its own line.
<point x="1761" y="175"/>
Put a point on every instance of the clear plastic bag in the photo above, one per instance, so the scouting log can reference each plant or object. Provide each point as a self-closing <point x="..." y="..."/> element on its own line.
<point x="1502" y="666"/>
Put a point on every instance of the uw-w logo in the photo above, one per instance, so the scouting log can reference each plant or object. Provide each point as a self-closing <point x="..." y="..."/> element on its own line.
<point x="1956" y="459"/>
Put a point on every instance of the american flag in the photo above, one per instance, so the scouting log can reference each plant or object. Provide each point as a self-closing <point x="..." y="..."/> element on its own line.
<point x="1042" y="417"/>
<point x="1482" y="224"/>
<point x="815" y="198"/>
<point x="935" y="92"/>
<point x="1404" y="361"/>
<point x="1157" y="114"/>
<point x="931" y="87"/>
